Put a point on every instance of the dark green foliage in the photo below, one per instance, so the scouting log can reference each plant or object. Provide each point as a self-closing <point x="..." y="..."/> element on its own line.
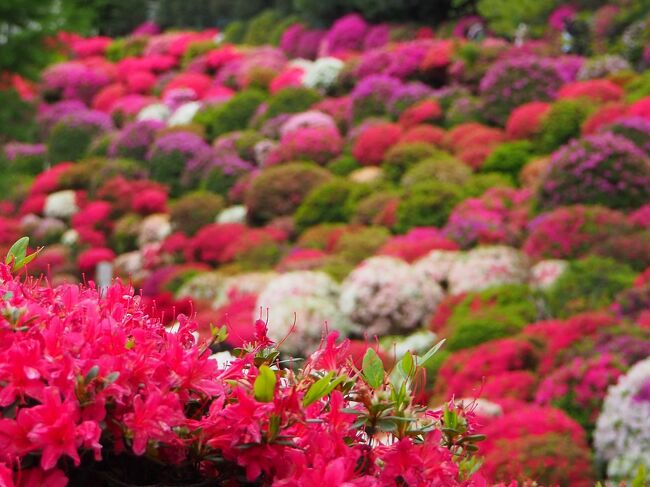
<point x="231" y="115"/>
<point x="588" y="284"/>
<point x="69" y="143"/>
<point x="14" y="185"/>
<point x="353" y="247"/>
<point x="509" y="158"/>
<point x="278" y="29"/>
<point x="194" y="210"/>
<point x="89" y="174"/>
<point x="344" y="165"/>
<point x="563" y="123"/>
<point x="260" y="27"/>
<point x="328" y="203"/>
<point x="259" y="257"/>
<point x="386" y="10"/>
<point x="235" y="32"/>
<point x="638" y="87"/>
<point x="16" y="118"/>
<point x="167" y="168"/>
<point x="279" y="191"/>
<point x="361" y="243"/>
<point x="218" y="182"/>
<point x="125" y="47"/>
<point x="401" y="157"/>
<point x="504" y="16"/>
<point x="26" y="24"/>
<point x="291" y="100"/>
<point x="196" y="49"/>
<point x="25" y="164"/>
<point x="487" y="315"/>
<point x="425" y="204"/>
<point x="480" y="183"/>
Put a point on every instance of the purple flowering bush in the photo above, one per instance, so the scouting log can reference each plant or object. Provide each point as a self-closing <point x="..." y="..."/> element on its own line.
<point x="513" y="82"/>
<point x="134" y="139"/>
<point x="603" y="170"/>
<point x="179" y="159"/>
<point x="370" y="96"/>
<point x="634" y="129"/>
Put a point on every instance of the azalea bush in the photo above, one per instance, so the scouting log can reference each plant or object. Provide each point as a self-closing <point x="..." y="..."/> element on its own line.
<point x="134" y="392"/>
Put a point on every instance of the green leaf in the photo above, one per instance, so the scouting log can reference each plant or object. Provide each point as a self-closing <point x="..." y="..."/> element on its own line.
<point x="373" y="369"/>
<point x="427" y="356"/>
<point x="264" y="386"/>
<point x="406" y="366"/>
<point x="640" y="479"/>
<point x="23" y="262"/>
<point x="386" y="425"/>
<point x="92" y="373"/>
<point x="112" y="377"/>
<point x="17" y="251"/>
<point x="317" y="390"/>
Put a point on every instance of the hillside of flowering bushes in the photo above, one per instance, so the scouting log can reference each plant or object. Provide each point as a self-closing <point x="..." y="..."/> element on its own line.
<point x="249" y="240"/>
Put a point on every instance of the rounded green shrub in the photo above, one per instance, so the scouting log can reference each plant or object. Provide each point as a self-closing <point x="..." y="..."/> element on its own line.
<point x="328" y="203"/>
<point x="343" y="165"/>
<point x="196" y="49"/>
<point x="426" y="204"/>
<point x="126" y="47"/>
<point x="259" y="28"/>
<point x="487" y="315"/>
<point x="279" y="190"/>
<point x="89" y="174"/>
<point x="291" y="100"/>
<point x="217" y="181"/>
<point x="361" y="243"/>
<point x="230" y="116"/>
<point x="480" y="183"/>
<point x="587" y="284"/>
<point x="562" y="123"/>
<point x="235" y="32"/>
<point x="371" y="209"/>
<point x="70" y="142"/>
<point x="401" y="157"/>
<point x="194" y="210"/>
<point x="17" y="117"/>
<point x="509" y="158"/>
<point x="444" y="168"/>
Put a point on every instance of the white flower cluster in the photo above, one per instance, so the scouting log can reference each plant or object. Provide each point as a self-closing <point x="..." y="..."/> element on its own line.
<point x="622" y="436"/>
<point x="435" y="266"/>
<point x="248" y="283"/>
<point x="155" y="111"/>
<point x="418" y="342"/>
<point x="154" y="228"/>
<point x="308" y="299"/>
<point x="386" y="295"/>
<point x="184" y="114"/>
<point x="204" y="286"/>
<point x="322" y="73"/>
<point x="232" y="214"/>
<point x="544" y="274"/>
<point x="484" y="267"/>
<point x="61" y="204"/>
